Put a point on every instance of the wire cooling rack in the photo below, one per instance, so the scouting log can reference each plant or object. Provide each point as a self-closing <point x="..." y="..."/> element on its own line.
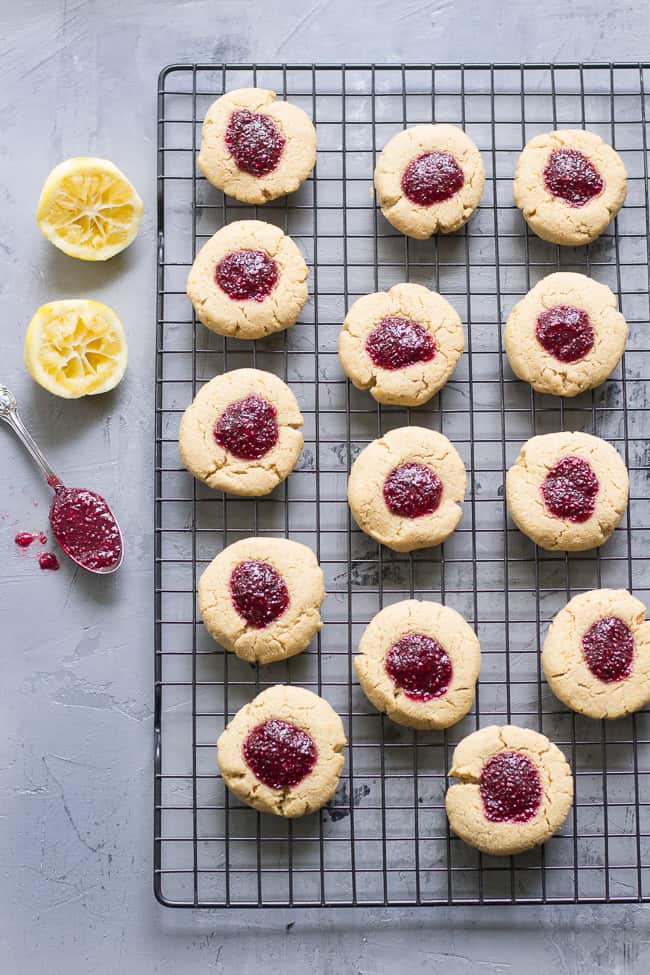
<point x="384" y="839"/>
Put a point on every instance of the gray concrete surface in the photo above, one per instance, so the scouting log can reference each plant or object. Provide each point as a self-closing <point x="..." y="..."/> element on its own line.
<point x="75" y="694"/>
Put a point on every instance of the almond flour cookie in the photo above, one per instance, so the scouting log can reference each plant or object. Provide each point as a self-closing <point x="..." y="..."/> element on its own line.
<point x="596" y="655"/>
<point x="401" y="345"/>
<point x="566" y="335"/>
<point x="419" y="662"/>
<point x="429" y="179"/>
<point x="282" y="753"/>
<point x="567" y="491"/>
<point x="260" y="598"/>
<point x="254" y="148"/>
<point x="515" y="790"/>
<point x="405" y="489"/>
<point x="569" y="185"/>
<point x="241" y="433"/>
<point x="248" y="281"/>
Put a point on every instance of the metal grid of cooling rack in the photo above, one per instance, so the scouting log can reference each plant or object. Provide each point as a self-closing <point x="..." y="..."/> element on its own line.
<point x="384" y="839"/>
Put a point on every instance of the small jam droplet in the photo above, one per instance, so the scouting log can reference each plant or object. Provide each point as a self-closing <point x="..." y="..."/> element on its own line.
<point x="420" y="666"/>
<point x="432" y="178"/>
<point x="248" y="428"/>
<point x="608" y="647"/>
<point x="25" y="539"/>
<point x="398" y="342"/>
<point x="510" y="788"/>
<point x="412" y="490"/>
<point x="279" y="754"/>
<point x="565" y="332"/>
<point x="570" y="489"/>
<point x="85" y="527"/>
<point x="259" y="593"/>
<point x="246" y="275"/>
<point x="255" y="141"/>
<point x="569" y="175"/>
<point x="48" y="560"/>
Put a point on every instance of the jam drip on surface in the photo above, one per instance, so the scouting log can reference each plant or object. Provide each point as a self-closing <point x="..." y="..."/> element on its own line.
<point x="412" y="490"/>
<point x="608" y="647"/>
<point x="571" y="176"/>
<point x="510" y="788"/>
<point x="259" y="593"/>
<point x="419" y="666"/>
<point x="248" y="428"/>
<point x="432" y="178"/>
<point x="398" y="342"/>
<point x="247" y="275"/>
<point x="85" y="528"/>
<point x="565" y="332"/>
<point x="255" y="141"/>
<point x="279" y="754"/>
<point x="570" y="489"/>
<point x="25" y="539"/>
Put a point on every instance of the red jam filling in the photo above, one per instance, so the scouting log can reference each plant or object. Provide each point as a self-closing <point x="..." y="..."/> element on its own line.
<point x="419" y="666"/>
<point x="247" y="275"/>
<point x="398" y="342"/>
<point x="255" y="141"/>
<point x="48" y="560"/>
<point x="570" y="489"/>
<point x="432" y="178"/>
<point x="25" y="539"/>
<point x="412" y="490"/>
<point x="571" y="176"/>
<point x="510" y="788"/>
<point x="565" y="332"/>
<point x="248" y="428"/>
<point x="85" y="527"/>
<point x="259" y="593"/>
<point x="279" y="754"/>
<point x="608" y="647"/>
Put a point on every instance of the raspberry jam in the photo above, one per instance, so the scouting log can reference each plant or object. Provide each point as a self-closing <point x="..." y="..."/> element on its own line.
<point x="85" y="528"/>
<point x="565" y="332"/>
<point x="432" y="178"/>
<point x="259" y="593"/>
<point x="247" y="275"/>
<point x="608" y="647"/>
<point x="255" y="141"/>
<point x="570" y="489"/>
<point x="419" y="666"/>
<point x="48" y="560"/>
<point x="248" y="429"/>
<point x="279" y="754"/>
<point x="571" y="176"/>
<point x="25" y="539"/>
<point x="412" y="490"/>
<point x="510" y="788"/>
<point x="398" y="342"/>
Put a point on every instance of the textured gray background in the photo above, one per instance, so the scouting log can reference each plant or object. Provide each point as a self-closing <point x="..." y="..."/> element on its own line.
<point x="75" y="695"/>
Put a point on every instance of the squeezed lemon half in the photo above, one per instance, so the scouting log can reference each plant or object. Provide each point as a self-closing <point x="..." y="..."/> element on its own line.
<point x="76" y="347"/>
<point x="89" y="209"/>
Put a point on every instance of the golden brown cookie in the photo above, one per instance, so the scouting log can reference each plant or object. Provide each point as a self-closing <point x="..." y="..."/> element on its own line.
<point x="402" y="345"/>
<point x="405" y="489"/>
<point x="283" y="752"/>
<point x="249" y="280"/>
<point x="429" y="179"/>
<point x="241" y="433"/>
<point x="567" y="491"/>
<point x="596" y="655"/>
<point x="419" y="662"/>
<point x="515" y="790"/>
<point x="566" y="335"/>
<point x="260" y="598"/>
<point x="255" y="148"/>
<point x="569" y="185"/>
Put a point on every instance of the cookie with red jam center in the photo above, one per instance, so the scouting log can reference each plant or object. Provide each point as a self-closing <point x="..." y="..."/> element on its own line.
<point x="283" y="752"/>
<point x="515" y="790"/>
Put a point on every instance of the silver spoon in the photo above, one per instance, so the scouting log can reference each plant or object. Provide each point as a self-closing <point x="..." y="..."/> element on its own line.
<point x="9" y="413"/>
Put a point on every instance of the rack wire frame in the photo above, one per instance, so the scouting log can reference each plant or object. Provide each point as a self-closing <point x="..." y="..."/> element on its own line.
<point x="384" y="839"/>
